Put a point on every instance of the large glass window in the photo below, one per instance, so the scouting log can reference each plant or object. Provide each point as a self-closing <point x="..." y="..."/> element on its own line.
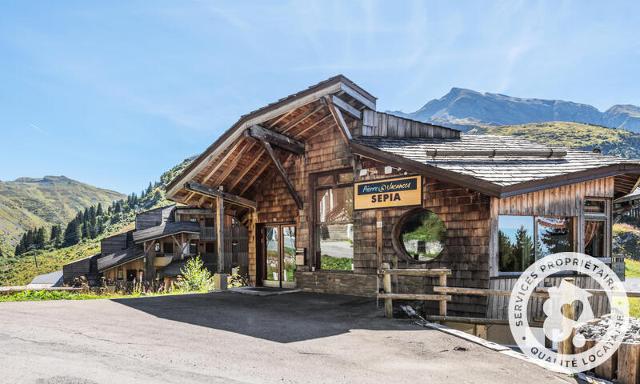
<point x="523" y="239"/>
<point x="554" y="235"/>
<point x="335" y="227"/>
<point x="515" y="243"/>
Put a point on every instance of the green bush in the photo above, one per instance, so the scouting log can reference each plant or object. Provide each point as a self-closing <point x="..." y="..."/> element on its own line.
<point x="335" y="263"/>
<point x="195" y="277"/>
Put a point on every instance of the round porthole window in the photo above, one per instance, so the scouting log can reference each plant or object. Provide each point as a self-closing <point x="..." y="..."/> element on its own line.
<point x="419" y="235"/>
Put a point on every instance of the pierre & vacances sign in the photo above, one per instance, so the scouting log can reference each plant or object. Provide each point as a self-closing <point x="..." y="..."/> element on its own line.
<point x="396" y="192"/>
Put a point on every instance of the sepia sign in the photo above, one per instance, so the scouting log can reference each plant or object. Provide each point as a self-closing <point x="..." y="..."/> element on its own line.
<point x="396" y="192"/>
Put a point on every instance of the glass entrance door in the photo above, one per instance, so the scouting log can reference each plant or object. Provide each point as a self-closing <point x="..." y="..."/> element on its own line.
<point x="280" y="256"/>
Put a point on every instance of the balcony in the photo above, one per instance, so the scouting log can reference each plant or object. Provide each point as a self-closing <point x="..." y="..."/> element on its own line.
<point x="162" y="260"/>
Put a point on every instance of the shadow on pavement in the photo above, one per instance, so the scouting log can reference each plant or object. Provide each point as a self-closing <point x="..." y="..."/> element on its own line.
<point x="283" y="318"/>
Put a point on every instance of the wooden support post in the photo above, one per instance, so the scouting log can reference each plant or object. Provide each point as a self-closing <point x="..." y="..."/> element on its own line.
<point x="442" y="281"/>
<point x="607" y="370"/>
<point x="566" y="346"/>
<point x="386" y="285"/>
<point x="629" y="363"/>
<point x="379" y="236"/>
<point x="220" y="233"/>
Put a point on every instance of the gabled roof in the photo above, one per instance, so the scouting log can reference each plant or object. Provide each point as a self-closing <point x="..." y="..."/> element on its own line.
<point x="164" y="230"/>
<point x="333" y="85"/>
<point x="119" y="258"/>
<point x="516" y="166"/>
<point x="53" y="279"/>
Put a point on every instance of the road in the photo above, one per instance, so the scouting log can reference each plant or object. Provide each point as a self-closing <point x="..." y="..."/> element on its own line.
<point x="234" y="338"/>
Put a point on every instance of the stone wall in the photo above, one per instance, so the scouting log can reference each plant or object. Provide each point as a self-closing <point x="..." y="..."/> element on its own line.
<point x="337" y="282"/>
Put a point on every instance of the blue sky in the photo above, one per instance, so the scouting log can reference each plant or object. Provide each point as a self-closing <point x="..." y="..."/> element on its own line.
<point x="112" y="93"/>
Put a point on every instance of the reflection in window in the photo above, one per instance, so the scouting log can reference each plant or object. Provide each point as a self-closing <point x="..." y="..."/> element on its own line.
<point x="273" y="254"/>
<point x="423" y="235"/>
<point x="594" y="238"/>
<point x="524" y="239"/>
<point x="515" y="243"/>
<point x="335" y="227"/>
<point x="555" y="235"/>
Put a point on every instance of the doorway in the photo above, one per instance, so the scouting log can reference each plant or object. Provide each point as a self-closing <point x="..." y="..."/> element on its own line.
<point x="279" y="250"/>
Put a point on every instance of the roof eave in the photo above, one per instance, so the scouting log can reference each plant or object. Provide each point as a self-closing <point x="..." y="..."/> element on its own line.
<point x="314" y="93"/>
<point x="467" y="181"/>
<point x="569" y="178"/>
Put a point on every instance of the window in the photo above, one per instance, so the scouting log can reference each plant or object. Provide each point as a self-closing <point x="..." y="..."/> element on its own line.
<point x="554" y="235"/>
<point x="156" y="247"/>
<point x="334" y="222"/>
<point x="419" y="235"/>
<point x="596" y="228"/>
<point x="209" y="222"/>
<point x="193" y="247"/>
<point x="524" y="239"/>
<point x="594" y="238"/>
<point x="120" y="274"/>
<point x="168" y="247"/>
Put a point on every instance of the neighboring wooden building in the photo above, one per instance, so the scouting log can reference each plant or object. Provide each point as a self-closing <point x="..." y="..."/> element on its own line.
<point x="159" y="246"/>
<point x="329" y="189"/>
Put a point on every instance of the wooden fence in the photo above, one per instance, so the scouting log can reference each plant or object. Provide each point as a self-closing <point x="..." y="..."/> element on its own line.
<point x="623" y="366"/>
<point x="386" y="272"/>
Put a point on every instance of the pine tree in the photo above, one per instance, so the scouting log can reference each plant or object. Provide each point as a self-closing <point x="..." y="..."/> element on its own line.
<point x="149" y="189"/>
<point x="56" y="234"/>
<point x="99" y="211"/>
<point x="40" y="238"/>
<point x="72" y="233"/>
<point x="92" y="215"/>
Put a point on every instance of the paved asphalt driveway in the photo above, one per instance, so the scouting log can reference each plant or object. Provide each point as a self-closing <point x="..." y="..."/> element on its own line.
<point x="233" y="338"/>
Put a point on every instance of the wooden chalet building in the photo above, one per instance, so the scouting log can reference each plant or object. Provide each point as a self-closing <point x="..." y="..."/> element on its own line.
<point x="159" y="246"/>
<point x="328" y="189"/>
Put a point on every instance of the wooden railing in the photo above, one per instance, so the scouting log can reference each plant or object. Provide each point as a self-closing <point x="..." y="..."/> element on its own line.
<point x="386" y="272"/>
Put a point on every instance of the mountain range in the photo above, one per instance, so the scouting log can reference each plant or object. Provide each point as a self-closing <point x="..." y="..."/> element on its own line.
<point x="465" y="109"/>
<point x="34" y="202"/>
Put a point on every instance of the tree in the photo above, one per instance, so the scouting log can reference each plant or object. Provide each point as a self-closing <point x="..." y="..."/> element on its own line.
<point x="149" y="189"/>
<point x="524" y="248"/>
<point x="40" y="238"/>
<point x="56" y="235"/>
<point x="72" y="233"/>
<point x="99" y="211"/>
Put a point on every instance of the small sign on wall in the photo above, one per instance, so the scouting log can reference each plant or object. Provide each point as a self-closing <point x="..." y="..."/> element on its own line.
<point x="396" y="192"/>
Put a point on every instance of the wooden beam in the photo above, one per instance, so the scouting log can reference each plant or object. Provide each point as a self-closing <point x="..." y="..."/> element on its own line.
<point x="325" y="117"/>
<point x="221" y="161"/>
<point x="282" y="117"/>
<point x="230" y="168"/>
<point x="246" y="170"/>
<point x="353" y="111"/>
<point x="283" y="174"/>
<point x="289" y="126"/>
<point x="274" y="138"/>
<point x="255" y="177"/>
<point x="337" y="116"/>
<point x="208" y="191"/>
<point x="358" y="96"/>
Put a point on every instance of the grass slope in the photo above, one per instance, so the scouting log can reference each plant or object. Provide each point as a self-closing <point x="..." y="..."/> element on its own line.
<point x="572" y="135"/>
<point x="27" y="203"/>
<point x="21" y="270"/>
